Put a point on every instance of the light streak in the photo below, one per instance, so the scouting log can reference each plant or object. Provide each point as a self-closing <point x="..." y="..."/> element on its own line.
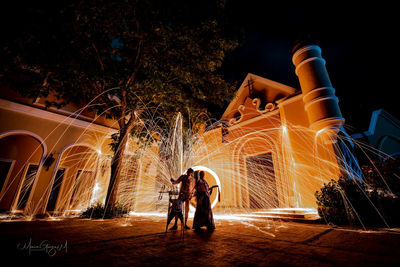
<point x="294" y="161"/>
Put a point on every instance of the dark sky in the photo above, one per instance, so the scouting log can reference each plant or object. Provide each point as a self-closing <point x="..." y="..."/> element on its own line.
<point x="358" y="43"/>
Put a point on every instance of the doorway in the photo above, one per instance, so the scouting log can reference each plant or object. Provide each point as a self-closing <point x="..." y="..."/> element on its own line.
<point x="5" y="168"/>
<point x="82" y="190"/>
<point x="261" y="182"/>
<point x="27" y="186"/>
<point x="55" y="190"/>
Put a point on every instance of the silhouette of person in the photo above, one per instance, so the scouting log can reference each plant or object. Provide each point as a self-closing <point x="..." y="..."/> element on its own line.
<point x="203" y="215"/>
<point x="185" y="193"/>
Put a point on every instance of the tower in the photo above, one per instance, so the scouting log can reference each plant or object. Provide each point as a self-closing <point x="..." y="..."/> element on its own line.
<point x="319" y="98"/>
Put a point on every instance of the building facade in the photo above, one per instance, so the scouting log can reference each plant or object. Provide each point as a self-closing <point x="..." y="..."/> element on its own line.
<point x="382" y="136"/>
<point x="273" y="148"/>
<point x="276" y="145"/>
<point x="56" y="161"/>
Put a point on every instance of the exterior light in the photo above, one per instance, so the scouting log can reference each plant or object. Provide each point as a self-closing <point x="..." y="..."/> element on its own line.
<point x="48" y="161"/>
<point x="320" y="132"/>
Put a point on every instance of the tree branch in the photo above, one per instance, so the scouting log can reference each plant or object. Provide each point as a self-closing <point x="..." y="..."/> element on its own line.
<point x="170" y="80"/>
<point x="138" y="52"/>
<point x="137" y="64"/>
<point x="98" y="57"/>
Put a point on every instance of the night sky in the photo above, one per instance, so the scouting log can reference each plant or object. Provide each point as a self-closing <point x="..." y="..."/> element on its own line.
<point x="357" y="42"/>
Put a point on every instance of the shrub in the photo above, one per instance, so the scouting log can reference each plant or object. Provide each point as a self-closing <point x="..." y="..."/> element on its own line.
<point x="375" y="201"/>
<point x="98" y="211"/>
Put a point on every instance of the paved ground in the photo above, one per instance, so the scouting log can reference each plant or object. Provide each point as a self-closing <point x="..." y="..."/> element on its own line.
<point x="141" y="241"/>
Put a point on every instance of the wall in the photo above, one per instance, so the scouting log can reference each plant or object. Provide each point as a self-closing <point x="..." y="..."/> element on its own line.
<point x="58" y="132"/>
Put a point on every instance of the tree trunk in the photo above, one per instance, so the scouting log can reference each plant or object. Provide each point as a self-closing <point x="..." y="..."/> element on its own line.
<point x="116" y="164"/>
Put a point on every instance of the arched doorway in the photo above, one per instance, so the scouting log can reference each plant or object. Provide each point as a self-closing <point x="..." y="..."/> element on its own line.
<point x="74" y="179"/>
<point x="259" y="174"/>
<point x="21" y="158"/>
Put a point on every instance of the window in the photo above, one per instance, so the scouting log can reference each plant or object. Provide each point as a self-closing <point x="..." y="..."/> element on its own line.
<point x="27" y="186"/>
<point x="5" y="168"/>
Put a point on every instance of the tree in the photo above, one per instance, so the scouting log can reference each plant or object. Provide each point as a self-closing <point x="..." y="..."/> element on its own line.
<point x="127" y="58"/>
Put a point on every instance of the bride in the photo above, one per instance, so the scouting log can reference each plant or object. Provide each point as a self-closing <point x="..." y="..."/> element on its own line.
<point x="203" y="215"/>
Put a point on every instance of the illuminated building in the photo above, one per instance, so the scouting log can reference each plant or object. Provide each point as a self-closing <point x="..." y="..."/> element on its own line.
<point x="273" y="148"/>
<point x="275" y="145"/>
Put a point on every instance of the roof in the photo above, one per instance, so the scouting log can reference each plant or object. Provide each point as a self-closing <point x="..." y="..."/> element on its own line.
<point x="254" y="84"/>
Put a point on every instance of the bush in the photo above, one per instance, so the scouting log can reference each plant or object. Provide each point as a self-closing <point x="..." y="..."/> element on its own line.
<point x="371" y="202"/>
<point x="98" y="212"/>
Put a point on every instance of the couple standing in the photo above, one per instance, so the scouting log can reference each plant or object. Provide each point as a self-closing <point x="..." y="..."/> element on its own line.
<point x="191" y="187"/>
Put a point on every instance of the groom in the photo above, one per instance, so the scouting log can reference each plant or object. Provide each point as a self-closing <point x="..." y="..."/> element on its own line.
<point x="185" y="193"/>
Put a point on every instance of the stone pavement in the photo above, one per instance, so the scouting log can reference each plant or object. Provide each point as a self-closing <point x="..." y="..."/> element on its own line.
<point x="142" y="241"/>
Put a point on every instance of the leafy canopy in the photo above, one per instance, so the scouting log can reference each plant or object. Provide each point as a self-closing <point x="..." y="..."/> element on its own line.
<point x="156" y="56"/>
